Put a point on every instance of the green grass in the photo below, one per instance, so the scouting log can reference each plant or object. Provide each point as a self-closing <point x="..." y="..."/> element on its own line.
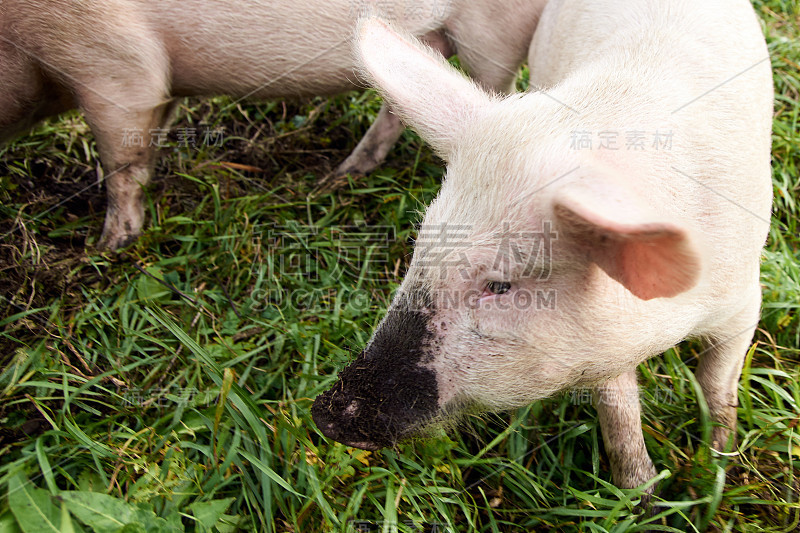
<point x="170" y="386"/>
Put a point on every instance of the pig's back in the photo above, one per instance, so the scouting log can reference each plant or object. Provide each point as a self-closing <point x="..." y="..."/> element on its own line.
<point x="270" y="48"/>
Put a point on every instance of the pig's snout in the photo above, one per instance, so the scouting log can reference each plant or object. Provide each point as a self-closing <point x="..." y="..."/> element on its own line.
<point x="344" y="427"/>
<point x="385" y="394"/>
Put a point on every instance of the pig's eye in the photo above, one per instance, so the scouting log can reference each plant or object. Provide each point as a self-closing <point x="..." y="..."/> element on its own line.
<point x="498" y="287"/>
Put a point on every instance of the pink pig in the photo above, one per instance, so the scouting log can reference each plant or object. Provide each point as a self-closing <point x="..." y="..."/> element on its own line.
<point x="636" y="248"/>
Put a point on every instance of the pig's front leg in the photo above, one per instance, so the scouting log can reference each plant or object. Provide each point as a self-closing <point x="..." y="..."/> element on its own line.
<point x="719" y="370"/>
<point x="619" y="411"/>
<point x="118" y="73"/>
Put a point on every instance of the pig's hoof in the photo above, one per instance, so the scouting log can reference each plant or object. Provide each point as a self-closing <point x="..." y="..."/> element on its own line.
<point x="336" y="180"/>
<point x="121" y="228"/>
<point x="114" y="242"/>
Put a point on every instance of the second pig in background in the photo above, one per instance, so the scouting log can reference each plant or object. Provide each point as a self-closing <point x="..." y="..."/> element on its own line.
<point x="122" y="61"/>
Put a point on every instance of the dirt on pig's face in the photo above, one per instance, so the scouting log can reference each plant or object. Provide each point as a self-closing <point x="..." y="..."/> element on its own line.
<point x="388" y="391"/>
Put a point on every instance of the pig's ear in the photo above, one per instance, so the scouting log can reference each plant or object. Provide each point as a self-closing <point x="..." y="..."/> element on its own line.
<point x="428" y="93"/>
<point x="651" y="257"/>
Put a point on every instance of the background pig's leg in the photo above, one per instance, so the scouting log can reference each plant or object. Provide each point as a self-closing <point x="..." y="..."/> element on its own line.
<point x="492" y="43"/>
<point x="128" y="161"/>
<point x="384" y="132"/>
<point x="375" y="145"/>
<point x="24" y="99"/>
<point x="719" y="370"/>
<point x="620" y="417"/>
<point x="103" y="58"/>
<point x="123" y="91"/>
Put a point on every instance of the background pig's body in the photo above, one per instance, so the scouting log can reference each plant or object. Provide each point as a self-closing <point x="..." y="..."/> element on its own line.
<point x="654" y="245"/>
<point x="120" y="61"/>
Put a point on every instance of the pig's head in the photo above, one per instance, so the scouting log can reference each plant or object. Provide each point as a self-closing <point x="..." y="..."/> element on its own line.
<point x="531" y="270"/>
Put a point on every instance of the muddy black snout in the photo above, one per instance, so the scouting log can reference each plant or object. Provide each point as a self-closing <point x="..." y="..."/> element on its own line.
<point x="386" y="393"/>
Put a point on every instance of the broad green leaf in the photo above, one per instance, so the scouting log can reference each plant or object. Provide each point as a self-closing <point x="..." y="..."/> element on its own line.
<point x="32" y="507"/>
<point x="149" y="288"/>
<point x="104" y="513"/>
<point x="209" y="513"/>
<point x="100" y="512"/>
<point x="134" y="527"/>
<point x="227" y="523"/>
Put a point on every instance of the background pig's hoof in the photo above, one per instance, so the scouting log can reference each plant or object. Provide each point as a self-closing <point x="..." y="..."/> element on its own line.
<point x="336" y="180"/>
<point x="122" y="226"/>
<point x="116" y="241"/>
